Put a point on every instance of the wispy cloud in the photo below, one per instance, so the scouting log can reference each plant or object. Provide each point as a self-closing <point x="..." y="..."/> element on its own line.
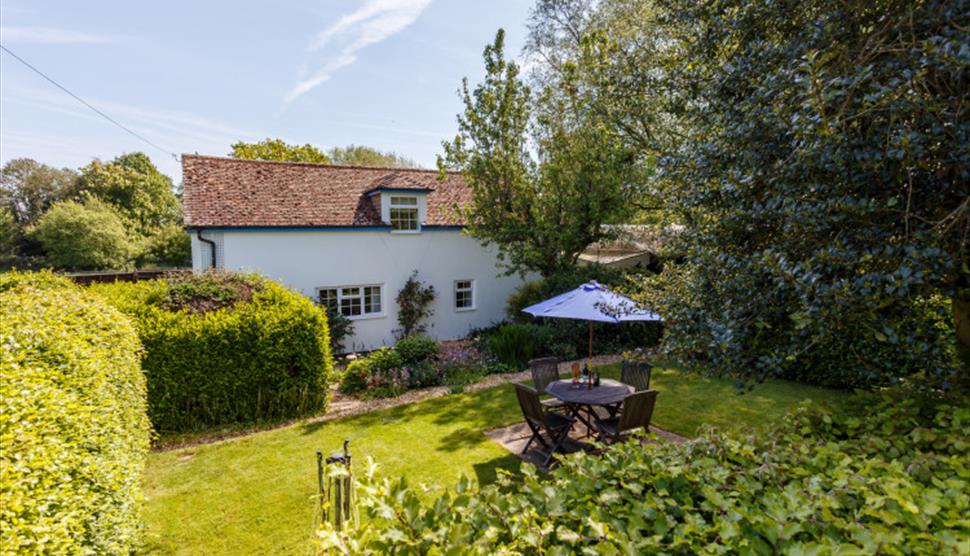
<point x="372" y="23"/>
<point x="50" y="35"/>
<point x="174" y="130"/>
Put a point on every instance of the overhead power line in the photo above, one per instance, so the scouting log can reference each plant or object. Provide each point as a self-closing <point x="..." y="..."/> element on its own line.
<point x="88" y="104"/>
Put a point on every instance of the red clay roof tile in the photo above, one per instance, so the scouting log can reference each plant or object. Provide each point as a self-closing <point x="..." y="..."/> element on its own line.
<point x="229" y="192"/>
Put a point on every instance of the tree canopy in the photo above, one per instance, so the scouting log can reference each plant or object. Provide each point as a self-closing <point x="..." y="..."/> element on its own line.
<point x="135" y="188"/>
<point x="359" y="155"/>
<point x="277" y="149"/>
<point x="545" y="173"/>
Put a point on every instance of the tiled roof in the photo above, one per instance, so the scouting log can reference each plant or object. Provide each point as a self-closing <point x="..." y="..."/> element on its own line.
<point x="229" y="192"/>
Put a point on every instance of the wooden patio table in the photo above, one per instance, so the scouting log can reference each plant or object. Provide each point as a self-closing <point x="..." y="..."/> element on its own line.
<point x="580" y="397"/>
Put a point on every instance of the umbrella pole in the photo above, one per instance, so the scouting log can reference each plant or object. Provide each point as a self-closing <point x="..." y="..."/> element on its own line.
<point x="589" y="361"/>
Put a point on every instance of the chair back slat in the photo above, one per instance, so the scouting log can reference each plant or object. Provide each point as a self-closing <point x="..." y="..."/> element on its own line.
<point x="637" y="410"/>
<point x="545" y="371"/>
<point x="530" y="404"/>
<point x="636" y="374"/>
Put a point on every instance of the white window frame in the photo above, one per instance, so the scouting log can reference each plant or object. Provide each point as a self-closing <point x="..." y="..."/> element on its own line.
<point x="471" y="289"/>
<point x="415" y="206"/>
<point x="341" y="296"/>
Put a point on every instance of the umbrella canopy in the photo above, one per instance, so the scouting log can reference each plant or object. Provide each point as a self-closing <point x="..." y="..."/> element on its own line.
<point x="591" y="302"/>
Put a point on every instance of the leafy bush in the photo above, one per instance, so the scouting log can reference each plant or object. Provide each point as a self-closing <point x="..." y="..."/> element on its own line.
<point x="513" y="344"/>
<point x="341" y="328"/>
<point x="213" y="358"/>
<point x="888" y="478"/>
<point x="355" y="376"/>
<point x="416" y="349"/>
<point x="89" y="236"/>
<point x="170" y="246"/>
<point x="73" y="428"/>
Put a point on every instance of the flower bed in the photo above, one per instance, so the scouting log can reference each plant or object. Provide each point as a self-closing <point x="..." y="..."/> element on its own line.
<point x="418" y="362"/>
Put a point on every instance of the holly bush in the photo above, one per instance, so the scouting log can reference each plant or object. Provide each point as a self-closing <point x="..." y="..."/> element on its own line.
<point x="73" y="429"/>
<point x="226" y="349"/>
<point x="889" y="477"/>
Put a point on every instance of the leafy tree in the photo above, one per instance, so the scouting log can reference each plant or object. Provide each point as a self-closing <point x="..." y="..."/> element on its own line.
<point x="28" y="188"/>
<point x="85" y="236"/>
<point x="9" y="234"/>
<point x="359" y="155"/>
<point x="824" y="173"/>
<point x="135" y="188"/>
<point x="170" y="246"/>
<point x="276" y="149"/>
<point x="545" y="173"/>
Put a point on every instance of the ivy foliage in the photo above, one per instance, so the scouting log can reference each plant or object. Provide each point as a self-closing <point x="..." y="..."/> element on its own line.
<point x="888" y="478"/>
<point x="74" y="432"/>
<point x="226" y="348"/>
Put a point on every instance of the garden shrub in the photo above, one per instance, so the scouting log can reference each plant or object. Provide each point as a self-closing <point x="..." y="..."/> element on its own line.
<point x="225" y="348"/>
<point x="889" y="477"/>
<point x="512" y="344"/>
<point x="416" y="349"/>
<point x="418" y="362"/>
<point x="354" y="378"/>
<point x="73" y="429"/>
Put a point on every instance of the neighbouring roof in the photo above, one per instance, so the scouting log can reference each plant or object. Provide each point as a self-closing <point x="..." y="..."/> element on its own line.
<point x="631" y="240"/>
<point x="233" y="193"/>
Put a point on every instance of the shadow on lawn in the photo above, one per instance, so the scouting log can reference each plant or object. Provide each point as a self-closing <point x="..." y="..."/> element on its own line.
<point x="487" y="471"/>
<point x="473" y="412"/>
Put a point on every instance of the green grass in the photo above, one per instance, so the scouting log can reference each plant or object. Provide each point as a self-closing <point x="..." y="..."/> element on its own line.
<point x="254" y="495"/>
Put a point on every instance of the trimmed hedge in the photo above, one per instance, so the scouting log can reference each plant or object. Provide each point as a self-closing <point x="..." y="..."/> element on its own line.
<point x="212" y="356"/>
<point x="73" y="429"/>
<point x="890" y="478"/>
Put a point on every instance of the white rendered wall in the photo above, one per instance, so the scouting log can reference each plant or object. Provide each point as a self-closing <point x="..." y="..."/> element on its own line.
<point x="305" y="261"/>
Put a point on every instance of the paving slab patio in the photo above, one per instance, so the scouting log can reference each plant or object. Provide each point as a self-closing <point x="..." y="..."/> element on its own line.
<point x="514" y="438"/>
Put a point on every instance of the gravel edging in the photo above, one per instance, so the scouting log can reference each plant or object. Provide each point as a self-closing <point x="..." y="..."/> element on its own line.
<point x="342" y="405"/>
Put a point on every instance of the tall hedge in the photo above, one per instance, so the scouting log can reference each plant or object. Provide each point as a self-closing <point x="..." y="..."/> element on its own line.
<point x="73" y="427"/>
<point x="215" y="356"/>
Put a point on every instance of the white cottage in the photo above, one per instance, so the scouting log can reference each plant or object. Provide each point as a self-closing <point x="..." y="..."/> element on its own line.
<point x="346" y="235"/>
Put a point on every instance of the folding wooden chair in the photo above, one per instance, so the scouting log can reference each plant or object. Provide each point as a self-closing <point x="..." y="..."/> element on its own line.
<point x="636" y="374"/>
<point x="636" y="412"/>
<point x="555" y="425"/>
<point x="545" y="371"/>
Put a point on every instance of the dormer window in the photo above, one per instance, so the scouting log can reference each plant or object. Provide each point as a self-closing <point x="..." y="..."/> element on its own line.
<point x="404" y="213"/>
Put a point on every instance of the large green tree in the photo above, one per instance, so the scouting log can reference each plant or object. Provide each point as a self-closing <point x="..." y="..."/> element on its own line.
<point x="823" y="172"/>
<point x="545" y="172"/>
<point x="359" y="155"/>
<point x="277" y="149"/>
<point x="27" y="189"/>
<point x="135" y="188"/>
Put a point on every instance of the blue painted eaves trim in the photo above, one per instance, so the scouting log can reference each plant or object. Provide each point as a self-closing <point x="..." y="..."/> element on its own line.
<point x="442" y="228"/>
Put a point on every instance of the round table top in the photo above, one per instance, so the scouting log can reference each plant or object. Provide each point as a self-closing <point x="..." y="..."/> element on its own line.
<point x="609" y="392"/>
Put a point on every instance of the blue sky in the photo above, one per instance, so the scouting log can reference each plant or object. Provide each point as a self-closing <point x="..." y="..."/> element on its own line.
<point x="198" y="76"/>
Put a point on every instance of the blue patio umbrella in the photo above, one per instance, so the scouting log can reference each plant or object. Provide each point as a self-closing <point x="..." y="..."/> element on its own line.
<point x="594" y="303"/>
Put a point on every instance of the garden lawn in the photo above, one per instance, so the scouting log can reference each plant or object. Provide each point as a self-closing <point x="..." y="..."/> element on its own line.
<point x="254" y="495"/>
